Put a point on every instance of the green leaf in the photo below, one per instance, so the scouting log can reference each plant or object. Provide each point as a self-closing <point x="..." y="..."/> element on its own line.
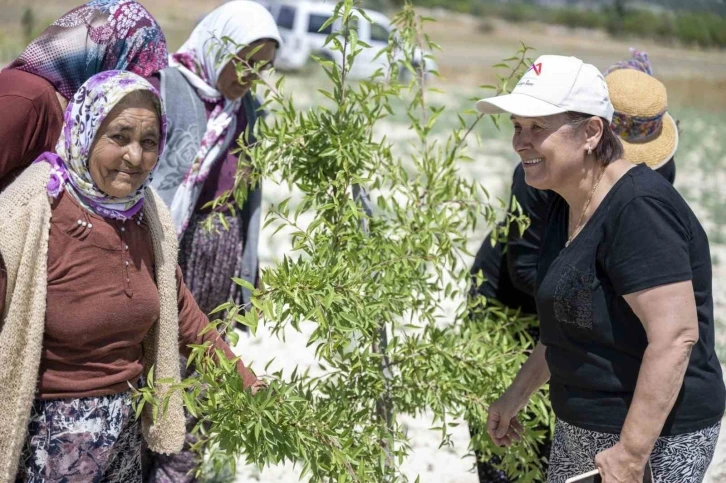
<point x="150" y="378"/>
<point x="243" y="283"/>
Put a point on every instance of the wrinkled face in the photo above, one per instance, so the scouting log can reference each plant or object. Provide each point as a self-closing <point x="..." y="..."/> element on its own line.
<point x="228" y="83"/>
<point x="552" y="152"/>
<point x="126" y="148"/>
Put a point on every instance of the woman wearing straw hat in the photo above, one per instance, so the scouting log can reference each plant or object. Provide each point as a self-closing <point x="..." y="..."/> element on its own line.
<point x="627" y="341"/>
<point x="649" y="134"/>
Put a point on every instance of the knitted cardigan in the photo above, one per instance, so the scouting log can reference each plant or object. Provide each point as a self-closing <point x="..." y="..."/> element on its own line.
<point x="24" y="230"/>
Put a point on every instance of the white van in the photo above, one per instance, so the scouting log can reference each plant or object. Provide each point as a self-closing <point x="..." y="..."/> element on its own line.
<point x="299" y="23"/>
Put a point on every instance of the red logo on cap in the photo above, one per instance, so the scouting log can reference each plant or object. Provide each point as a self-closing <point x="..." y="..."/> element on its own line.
<point x="537" y="68"/>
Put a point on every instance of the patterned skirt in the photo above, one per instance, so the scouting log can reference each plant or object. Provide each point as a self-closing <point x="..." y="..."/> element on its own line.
<point x="675" y="459"/>
<point x="86" y="439"/>
<point x="209" y="260"/>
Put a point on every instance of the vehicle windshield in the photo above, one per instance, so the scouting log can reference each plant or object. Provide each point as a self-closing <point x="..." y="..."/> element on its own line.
<point x="316" y="21"/>
<point x="379" y="33"/>
<point x="285" y="17"/>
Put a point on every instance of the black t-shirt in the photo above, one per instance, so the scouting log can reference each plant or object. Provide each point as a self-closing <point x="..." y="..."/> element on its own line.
<point x="668" y="170"/>
<point x="510" y="270"/>
<point x="642" y="235"/>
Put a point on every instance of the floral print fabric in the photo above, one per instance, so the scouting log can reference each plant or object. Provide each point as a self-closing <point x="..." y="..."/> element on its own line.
<point x="98" y="36"/>
<point x="639" y="61"/>
<point x="90" y="439"/>
<point x="683" y="458"/>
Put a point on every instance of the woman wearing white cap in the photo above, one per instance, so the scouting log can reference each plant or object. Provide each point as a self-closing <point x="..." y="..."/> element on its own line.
<point x="510" y="268"/>
<point x="623" y="294"/>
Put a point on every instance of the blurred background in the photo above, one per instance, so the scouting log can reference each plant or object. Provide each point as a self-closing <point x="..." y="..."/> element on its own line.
<point x="686" y="42"/>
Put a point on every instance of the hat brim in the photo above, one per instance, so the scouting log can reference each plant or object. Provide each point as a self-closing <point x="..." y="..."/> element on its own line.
<point x="657" y="151"/>
<point x="518" y="104"/>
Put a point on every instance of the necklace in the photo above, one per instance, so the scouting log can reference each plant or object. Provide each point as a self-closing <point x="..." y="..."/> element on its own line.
<point x="579" y="228"/>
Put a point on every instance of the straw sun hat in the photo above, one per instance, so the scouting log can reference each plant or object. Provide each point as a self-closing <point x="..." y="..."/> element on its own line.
<point x="648" y="133"/>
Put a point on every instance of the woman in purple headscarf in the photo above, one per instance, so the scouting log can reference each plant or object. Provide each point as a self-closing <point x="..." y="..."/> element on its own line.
<point x="92" y="297"/>
<point x="34" y="89"/>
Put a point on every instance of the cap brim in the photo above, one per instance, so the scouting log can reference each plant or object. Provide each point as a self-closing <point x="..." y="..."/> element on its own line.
<point x="657" y="151"/>
<point x="518" y="104"/>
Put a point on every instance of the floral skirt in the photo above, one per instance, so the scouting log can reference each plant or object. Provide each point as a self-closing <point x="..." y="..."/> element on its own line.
<point x="675" y="459"/>
<point x="209" y="260"/>
<point x="92" y="439"/>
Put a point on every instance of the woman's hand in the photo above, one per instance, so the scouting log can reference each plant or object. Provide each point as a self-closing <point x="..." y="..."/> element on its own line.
<point x="618" y="465"/>
<point x="502" y="424"/>
<point x="258" y="385"/>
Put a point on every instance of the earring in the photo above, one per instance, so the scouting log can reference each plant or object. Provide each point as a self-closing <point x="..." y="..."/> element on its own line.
<point x="589" y="150"/>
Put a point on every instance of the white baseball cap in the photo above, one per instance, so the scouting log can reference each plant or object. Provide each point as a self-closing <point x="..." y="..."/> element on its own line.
<point x="554" y="84"/>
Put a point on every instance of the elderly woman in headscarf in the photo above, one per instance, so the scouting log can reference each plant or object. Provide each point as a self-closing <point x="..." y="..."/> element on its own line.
<point x="35" y="88"/>
<point x="210" y="110"/>
<point x="92" y="296"/>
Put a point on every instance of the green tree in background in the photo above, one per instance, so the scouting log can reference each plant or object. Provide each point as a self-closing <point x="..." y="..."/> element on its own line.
<point x="693" y="24"/>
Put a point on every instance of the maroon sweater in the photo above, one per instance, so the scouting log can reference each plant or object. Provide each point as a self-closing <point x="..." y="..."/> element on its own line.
<point x="102" y="301"/>
<point x="30" y="121"/>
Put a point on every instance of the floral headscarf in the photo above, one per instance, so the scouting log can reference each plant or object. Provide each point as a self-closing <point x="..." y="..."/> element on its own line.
<point x="100" y="35"/>
<point x="201" y="60"/>
<point x="83" y="117"/>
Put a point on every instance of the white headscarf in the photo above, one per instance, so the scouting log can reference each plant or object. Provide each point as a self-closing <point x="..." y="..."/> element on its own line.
<point x="201" y="60"/>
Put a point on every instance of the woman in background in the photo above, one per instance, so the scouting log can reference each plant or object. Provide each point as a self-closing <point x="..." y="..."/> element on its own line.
<point x="209" y="110"/>
<point x="35" y="88"/>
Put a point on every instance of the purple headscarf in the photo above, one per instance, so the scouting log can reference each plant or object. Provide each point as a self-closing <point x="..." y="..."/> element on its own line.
<point x="98" y="36"/>
<point x="83" y="117"/>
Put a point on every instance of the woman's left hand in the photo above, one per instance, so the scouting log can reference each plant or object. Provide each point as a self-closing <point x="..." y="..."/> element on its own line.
<point x="617" y="465"/>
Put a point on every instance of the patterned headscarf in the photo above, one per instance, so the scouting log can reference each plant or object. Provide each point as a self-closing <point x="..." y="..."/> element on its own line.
<point x="639" y="61"/>
<point x="83" y="117"/>
<point x="100" y="35"/>
<point x="201" y="60"/>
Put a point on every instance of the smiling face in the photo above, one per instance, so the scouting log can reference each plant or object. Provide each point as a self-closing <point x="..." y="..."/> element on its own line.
<point x="551" y="150"/>
<point x="126" y="147"/>
<point x="228" y="83"/>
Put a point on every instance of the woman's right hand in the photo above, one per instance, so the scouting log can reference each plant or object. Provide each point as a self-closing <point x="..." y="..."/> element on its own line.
<point x="258" y="385"/>
<point x="502" y="424"/>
